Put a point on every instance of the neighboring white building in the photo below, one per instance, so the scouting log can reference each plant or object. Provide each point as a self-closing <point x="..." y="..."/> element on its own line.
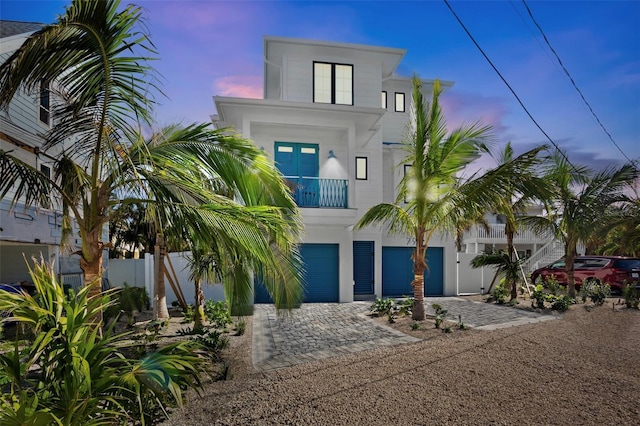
<point x="32" y="232"/>
<point x="332" y="117"/>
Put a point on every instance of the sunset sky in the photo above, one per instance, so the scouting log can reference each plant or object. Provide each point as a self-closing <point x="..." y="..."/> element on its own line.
<point x="209" y="48"/>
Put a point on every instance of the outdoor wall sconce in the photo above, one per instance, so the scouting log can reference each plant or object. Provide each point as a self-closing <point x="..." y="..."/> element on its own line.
<point x="331" y="154"/>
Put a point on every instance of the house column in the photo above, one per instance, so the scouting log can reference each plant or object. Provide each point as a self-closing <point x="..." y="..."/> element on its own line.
<point x="351" y="165"/>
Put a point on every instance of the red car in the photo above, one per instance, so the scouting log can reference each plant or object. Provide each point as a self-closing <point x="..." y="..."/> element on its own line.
<point x="613" y="270"/>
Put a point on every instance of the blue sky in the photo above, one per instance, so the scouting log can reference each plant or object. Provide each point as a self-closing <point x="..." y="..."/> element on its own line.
<point x="211" y="48"/>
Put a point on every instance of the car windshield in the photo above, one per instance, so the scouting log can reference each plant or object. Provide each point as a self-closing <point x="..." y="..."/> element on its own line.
<point x="627" y="264"/>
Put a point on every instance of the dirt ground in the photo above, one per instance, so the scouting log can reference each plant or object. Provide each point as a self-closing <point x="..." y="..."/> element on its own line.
<point x="582" y="369"/>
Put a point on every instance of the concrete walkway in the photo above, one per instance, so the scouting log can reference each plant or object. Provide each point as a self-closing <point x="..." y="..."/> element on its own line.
<point x="321" y="330"/>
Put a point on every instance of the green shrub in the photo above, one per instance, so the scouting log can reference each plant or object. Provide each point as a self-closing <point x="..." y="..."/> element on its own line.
<point x="217" y="313"/>
<point x="241" y="327"/>
<point x="382" y="307"/>
<point x="405" y="307"/>
<point x="538" y="297"/>
<point x="552" y="284"/>
<point x="127" y="300"/>
<point x="189" y="313"/>
<point x="558" y="302"/>
<point x="214" y="341"/>
<point x="441" y="313"/>
<point x="499" y="294"/>
<point x="561" y="303"/>
<point x="630" y="295"/>
<point x="134" y="298"/>
<point x="71" y="374"/>
<point x="595" y="291"/>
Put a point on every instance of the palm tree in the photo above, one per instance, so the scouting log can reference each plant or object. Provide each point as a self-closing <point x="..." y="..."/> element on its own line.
<point x="437" y="198"/>
<point x="202" y="265"/>
<point x="581" y="200"/>
<point x="504" y="263"/>
<point x="528" y="186"/>
<point x="84" y="55"/>
<point x="620" y="235"/>
<point x="91" y="54"/>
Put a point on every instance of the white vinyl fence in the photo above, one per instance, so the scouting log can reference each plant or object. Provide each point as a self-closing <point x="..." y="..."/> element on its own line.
<point x="139" y="273"/>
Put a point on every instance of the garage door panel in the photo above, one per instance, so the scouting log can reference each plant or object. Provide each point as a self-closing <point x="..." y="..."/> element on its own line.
<point x="397" y="271"/>
<point x="321" y="277"/>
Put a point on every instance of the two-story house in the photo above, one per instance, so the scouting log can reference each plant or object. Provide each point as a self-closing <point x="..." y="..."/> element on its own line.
<point x="28" y="232"/>
<point x="332" y="118"/>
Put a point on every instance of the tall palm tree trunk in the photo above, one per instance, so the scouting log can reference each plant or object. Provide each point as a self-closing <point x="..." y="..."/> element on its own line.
<point x="160" y="299"/>
<point x="198" y="317"/>
<point x="570" y="255"/>
<point x="419" y="266"/>
<point x="510" y="248"/>
<point x="91" y="265"/>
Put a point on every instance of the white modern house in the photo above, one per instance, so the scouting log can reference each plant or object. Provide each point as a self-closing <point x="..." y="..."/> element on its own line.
<point x="332" y="117"/>
<point x="29" y="232"/>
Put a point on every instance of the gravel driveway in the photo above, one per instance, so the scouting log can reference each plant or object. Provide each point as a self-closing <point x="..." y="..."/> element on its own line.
<point x="582" y="370"/>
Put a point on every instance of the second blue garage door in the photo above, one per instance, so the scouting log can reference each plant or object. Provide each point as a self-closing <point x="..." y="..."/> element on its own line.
<point x="397" y="272"/>
<point x="321" y="281"/>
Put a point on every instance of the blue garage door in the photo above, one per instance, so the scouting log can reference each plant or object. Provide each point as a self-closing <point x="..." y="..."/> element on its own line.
<point x="321" y="278"/>
<point x="363" y="267"/>
<point x="397" y="272"/>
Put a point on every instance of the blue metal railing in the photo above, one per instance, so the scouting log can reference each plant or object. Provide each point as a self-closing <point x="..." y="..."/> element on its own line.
<point x="319" y="192"/>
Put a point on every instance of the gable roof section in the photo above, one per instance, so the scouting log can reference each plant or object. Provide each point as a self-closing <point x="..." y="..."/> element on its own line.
<point x="12" y="28"/>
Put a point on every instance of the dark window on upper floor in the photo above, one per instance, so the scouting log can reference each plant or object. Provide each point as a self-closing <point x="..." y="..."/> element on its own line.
<point x="45" y="170"/>
<point x="45" y="103"/>
<point x="332" y="83"/>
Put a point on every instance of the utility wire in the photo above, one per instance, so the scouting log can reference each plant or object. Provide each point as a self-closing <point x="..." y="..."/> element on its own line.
<point x="572" y="81"/>
<point x="507" y="84"/>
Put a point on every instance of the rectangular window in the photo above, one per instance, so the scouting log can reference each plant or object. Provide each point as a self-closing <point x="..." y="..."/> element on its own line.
<point x="45" y="102"/>
<point x="384" y="99"/>
<point x="45" y="170"/>
<point x="304" y="150"/>
<point x="361" y="168"/>
<point x="332" y="83"/>
<point x="409" y="185"/>
<point x="399" y="102"/>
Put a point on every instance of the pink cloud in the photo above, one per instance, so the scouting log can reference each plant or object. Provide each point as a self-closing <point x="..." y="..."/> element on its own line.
<point x="239" y="86"/>
<point x="464" y="108"/>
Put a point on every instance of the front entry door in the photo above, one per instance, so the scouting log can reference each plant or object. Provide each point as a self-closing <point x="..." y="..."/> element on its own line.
<point x="363" y="254"/>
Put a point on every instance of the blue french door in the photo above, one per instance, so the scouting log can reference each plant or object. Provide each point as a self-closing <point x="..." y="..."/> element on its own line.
<point x="299" y="163"/>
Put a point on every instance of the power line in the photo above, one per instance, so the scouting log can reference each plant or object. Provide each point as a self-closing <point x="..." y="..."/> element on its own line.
<point x="572" y="81"/>
<point x="507" y="84"/>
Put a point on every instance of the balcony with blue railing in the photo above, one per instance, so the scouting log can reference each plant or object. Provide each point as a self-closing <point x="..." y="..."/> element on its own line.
<point x="319" y="192"/>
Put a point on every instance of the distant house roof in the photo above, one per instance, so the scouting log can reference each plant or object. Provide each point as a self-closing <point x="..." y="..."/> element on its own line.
<point x="11" y="28"/>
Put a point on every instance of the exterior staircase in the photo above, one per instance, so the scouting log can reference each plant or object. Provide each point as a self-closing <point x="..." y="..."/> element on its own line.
<point x="550" y="252"/>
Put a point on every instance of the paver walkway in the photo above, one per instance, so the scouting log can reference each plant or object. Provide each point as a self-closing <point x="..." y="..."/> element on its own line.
<point x="485" y="316"/>
<point x="321" y="330"/>
<point x="316" y="331"/>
